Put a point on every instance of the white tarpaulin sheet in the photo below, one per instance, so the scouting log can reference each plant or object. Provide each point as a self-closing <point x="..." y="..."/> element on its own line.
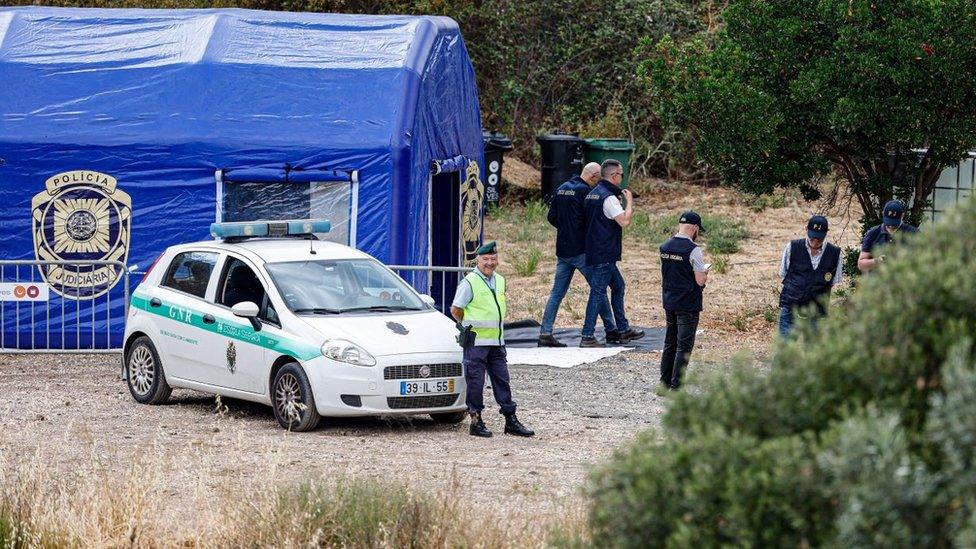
<point x="562" y="357"/>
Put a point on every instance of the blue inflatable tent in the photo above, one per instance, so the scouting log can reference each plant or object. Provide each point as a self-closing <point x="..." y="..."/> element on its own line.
<point x="125" y="131"/>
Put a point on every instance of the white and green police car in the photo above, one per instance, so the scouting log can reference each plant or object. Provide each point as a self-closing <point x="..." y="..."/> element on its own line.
<point x="311" y="328"/>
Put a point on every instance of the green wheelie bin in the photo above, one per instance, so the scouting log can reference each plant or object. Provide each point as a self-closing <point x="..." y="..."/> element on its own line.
<point x="599" y="149"/>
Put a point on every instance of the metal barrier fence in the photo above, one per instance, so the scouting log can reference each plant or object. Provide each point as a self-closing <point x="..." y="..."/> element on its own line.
<point x="30" y="324"/>
<point x="440" y="281"/>
<point x="83" y="324"/>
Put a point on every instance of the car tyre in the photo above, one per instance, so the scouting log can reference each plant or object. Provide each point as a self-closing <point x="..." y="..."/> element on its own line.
<point x="144" y="373"/>
<point x="449" y="417"/>
<point x="292" y="399"/>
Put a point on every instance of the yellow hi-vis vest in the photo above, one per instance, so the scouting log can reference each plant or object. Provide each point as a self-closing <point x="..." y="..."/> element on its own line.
<point x="486" y="311"/>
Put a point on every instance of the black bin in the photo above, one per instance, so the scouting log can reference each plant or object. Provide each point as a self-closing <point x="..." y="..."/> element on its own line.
<point x="562" y="158"/>
<point x="496" y="145"/>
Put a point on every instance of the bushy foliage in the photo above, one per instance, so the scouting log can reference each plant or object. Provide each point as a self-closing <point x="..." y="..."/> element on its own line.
<point x="875" y="405"/>
<point x="788" y="91"/>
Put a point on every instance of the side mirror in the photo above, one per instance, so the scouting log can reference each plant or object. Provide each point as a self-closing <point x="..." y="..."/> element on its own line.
<point x="248" y="310"/>
<point x="428" y="300"/>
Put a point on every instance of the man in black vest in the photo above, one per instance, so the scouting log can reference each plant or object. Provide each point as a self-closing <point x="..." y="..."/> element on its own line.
<point x="683" y="276"/>
<point x="567" y="215"/>
<point x="605" y="220"/>
<point x="810" y="268"/>
<point x="892" y="225"/>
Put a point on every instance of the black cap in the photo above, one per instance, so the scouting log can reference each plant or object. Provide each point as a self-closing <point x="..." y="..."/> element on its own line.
<point x="817" y="227"/>
<point x="691" y="218"/>
<point x="893" y="213"/>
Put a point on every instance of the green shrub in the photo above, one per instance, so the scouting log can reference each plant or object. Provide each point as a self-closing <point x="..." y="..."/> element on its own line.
<point x="875" y="403"/>
<point x="722" y="235"/>
<point x="525" y="265"/>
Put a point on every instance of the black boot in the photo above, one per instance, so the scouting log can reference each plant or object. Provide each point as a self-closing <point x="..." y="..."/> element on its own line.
<point x="514" y="427"/>
<point x="478" y="428"/>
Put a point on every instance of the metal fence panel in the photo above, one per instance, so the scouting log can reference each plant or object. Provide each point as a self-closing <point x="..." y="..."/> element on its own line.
<point x="59" y="324"/>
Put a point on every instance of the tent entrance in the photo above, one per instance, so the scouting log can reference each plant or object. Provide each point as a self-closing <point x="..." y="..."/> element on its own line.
<point x="445" y="231"/>
<point x="267" y="194"/>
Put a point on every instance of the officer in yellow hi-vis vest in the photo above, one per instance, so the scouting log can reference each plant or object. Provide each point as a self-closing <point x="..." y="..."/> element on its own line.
<point x="479" y="308"/>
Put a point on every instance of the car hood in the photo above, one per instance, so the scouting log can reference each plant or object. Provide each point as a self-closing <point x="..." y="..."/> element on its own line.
<point x="384" y="334"/>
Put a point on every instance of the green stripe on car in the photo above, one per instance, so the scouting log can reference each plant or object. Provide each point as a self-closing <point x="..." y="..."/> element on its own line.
<point x="233" y="330"/>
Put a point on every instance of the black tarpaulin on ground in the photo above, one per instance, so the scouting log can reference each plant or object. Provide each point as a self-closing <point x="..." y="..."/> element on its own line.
<point x="525" y="334"/>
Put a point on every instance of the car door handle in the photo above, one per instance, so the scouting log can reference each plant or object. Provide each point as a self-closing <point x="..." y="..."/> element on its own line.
<point x="209" y="319"/>
<point x="155" y="302"/>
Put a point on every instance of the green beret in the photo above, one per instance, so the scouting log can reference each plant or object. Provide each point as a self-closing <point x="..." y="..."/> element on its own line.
<point x="486" y="249"/>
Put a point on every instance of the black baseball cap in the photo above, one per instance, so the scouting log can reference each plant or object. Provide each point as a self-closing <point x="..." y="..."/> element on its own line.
<point x="817" y="227"/>
<point x="692" y="218"/>
<point x="893" y="213"/>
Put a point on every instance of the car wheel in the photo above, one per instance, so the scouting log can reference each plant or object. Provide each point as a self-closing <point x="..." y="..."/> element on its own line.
<point x="144" y="373"/>
<point x="292" y="400"/>
<point x="449" y="417"/>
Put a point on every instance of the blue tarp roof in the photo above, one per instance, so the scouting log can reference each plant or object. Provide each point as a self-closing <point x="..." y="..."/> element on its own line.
<point x="233" y="77"/>
<point x="160" y="100"/>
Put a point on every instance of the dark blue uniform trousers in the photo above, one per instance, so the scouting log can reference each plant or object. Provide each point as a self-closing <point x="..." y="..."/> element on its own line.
<point x="491" y="359"/>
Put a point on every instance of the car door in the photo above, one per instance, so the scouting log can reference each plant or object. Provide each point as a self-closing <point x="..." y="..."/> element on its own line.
<point x="235" y="352"/>
<point x="179" y="302"/>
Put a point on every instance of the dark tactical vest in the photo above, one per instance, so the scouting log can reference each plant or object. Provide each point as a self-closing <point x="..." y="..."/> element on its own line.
<point x="567" y="216"/>
<point x="681" y="291"/>
<point x="804" y="284"/>
<point x="604" y="237"/>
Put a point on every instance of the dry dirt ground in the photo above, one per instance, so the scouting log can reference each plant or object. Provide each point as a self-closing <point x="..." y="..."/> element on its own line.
<point x="70" y="412"/>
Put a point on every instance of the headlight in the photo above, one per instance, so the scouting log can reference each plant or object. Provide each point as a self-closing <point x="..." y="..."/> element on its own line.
<point x="347" y="351"/>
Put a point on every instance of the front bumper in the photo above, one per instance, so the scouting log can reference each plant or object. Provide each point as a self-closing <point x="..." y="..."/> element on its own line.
<point x="332" y="380"/>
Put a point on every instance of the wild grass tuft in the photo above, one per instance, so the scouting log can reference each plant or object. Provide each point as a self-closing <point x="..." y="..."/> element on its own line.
<point x="526" y="264"/>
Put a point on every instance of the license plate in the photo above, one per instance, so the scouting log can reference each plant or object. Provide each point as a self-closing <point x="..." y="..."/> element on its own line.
<point x="427" y="387"/>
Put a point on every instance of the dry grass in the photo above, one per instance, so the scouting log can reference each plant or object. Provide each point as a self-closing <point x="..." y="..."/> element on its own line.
<point x="96" y="505"/>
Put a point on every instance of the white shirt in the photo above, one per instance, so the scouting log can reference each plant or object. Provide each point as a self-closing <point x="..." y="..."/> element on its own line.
<point x="697" y="257"/>
<point x="814" y="261"/>
<point x="612" y="207"/>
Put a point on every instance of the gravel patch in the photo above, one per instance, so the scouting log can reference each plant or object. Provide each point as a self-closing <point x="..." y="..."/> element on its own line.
<point x="71" y="410"/>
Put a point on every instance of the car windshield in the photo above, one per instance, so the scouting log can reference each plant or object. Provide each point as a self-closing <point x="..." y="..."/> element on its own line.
<point x="331" y="287"/>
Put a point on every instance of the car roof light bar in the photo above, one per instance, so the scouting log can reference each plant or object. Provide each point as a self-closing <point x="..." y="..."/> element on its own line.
<point x="272" y="229"/>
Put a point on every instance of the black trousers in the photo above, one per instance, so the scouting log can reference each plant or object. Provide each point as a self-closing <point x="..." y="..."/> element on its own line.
<point x="679" y="341"/>
<point x="478" y="361"/>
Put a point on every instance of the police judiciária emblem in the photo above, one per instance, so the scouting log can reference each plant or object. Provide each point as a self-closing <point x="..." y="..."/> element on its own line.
<point x="828" y="276"/>
<point x="81" y="215"/>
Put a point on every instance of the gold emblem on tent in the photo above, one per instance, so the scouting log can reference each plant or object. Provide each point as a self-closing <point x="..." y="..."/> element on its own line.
<point x="472" y="200"/>
<point x="81" y="216"/>
<point x="828" y="276"/>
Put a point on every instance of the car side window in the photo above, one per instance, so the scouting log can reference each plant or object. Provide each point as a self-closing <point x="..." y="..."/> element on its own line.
<point x="190" y="272"/>
<point x="240" y="283"/>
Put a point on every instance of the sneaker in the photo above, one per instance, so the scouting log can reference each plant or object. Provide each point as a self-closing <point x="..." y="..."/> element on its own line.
<point x="548" y="340"/>
<point x="590" y="342"/>
<point x="631" y="335"/>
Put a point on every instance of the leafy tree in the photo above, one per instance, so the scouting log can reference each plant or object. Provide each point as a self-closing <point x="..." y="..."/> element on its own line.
<point x="791" y="91"/>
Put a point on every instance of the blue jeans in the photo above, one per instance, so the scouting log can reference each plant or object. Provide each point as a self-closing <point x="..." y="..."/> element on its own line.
<point x="785" y="321"/>
<point x="602" y="276"/>
<point x="787" y="318"/>
<point x="565" y="267"/>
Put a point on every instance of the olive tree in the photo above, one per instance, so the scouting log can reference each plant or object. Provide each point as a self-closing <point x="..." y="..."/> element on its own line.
<point x="877" y="91"/>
